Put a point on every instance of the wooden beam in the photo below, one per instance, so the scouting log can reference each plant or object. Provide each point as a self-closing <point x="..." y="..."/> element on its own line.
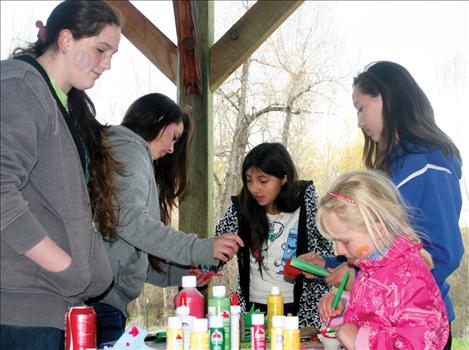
<point x="146" y="37"/>
<point x="246" y="35"/>
<point x="196" y="208"/>
<point x="187" y="46"/>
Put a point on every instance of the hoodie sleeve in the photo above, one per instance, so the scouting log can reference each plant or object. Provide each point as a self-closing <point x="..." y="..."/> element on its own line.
<point x="430" y="187"/>
<point x="144" y="230"/>
<point x="171" y="276"/>
<point x="23" y="122"/>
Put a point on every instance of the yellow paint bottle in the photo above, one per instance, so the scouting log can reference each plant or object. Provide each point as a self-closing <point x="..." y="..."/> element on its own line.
<point x="276" y="333"/>
<point x="175" y="335"/>
<point x="199" y="334"/>
<point x="291" y="333"/>
<point x="274" y="306"/>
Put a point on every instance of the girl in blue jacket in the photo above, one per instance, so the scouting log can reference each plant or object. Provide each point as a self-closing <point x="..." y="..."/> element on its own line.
<point x="403" y="140"/>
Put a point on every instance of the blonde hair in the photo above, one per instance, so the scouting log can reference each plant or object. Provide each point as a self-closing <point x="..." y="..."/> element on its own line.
<point x="368" y="199"/>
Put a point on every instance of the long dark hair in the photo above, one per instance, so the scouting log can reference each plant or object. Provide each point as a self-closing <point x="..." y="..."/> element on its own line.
<point x="147" y="116"/>
<point x="272" y="159"/>
<point x="407" y="114"/>
<point x="85" y="19"/>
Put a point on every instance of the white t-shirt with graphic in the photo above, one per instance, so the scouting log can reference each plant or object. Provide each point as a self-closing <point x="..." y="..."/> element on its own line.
<point x="280" y="246"/>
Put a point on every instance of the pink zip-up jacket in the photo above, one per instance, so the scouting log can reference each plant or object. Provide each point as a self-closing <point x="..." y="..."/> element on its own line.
<point x="396" y="304"/>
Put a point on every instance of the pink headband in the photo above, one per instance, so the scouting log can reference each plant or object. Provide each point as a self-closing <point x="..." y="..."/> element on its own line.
<point x="341" y="197"/>
<point x="42" y="30"/>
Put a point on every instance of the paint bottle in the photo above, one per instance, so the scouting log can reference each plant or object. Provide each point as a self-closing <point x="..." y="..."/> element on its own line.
<point x="274" y="306"/>
<point x="219" y="305"/>
<point x="291" y="333"/>
<point x="174" y="334"/>
<point x="246" y="324"/>
<point x="217" y="333"/>
<point x="235" y="323"/>
<point x="276" y="333"/>
<point x="258" y="332"/>
<point x="195" y="299"/>
<point x="199" y="335"/>
<point x="187" y="320"/>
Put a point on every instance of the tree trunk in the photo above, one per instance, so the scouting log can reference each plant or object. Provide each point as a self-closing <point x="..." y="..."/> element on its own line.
<point x="232" y="180"/>
<point x="286" y="127"/>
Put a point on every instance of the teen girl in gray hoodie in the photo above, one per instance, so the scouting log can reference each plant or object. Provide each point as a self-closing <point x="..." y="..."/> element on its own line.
<point x="152" y="145"/>
<point x="51" y="255"/>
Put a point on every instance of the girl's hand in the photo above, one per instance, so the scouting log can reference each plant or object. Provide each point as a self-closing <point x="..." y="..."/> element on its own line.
<point x="226" y="246"/>
<point x="325" y="307"/>
<point x="50" y="256"/>
<point x="337" y="275"/>
<point x="346" y="334"/>
<point x="202" y="278"/>
<point x="313" y="259"/>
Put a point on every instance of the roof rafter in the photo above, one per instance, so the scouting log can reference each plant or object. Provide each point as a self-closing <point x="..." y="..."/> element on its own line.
<point x="246" y="35"/>
<point x="146" y="37"/>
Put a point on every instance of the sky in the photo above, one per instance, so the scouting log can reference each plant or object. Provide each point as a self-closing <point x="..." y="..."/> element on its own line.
<point x="429" y="38"/>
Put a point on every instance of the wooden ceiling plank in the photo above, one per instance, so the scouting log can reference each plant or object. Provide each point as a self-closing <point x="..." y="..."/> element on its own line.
<point x="148" y="39"/>
<point x="246" y="35"/>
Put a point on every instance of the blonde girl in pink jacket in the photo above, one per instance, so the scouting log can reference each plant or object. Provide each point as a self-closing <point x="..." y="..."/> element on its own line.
<point x="395" y="302"/>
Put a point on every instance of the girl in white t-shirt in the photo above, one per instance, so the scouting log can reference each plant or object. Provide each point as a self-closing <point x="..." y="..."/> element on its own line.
<point x="274" y="215"/>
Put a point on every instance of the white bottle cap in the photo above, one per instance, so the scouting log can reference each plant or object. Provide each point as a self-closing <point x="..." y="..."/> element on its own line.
<point x="275" y="290"/>
<point x="291" y="322"/>
<point x="278" y="321"/>
<point x="174" y="322"/>
<point x="219" y="291"/>
<point x="189" y="281"/>
<point x="257" y="319"/>
<point x="215" y="321"/>
<point x="199" y="325"/>
<point x="235" y="309"/>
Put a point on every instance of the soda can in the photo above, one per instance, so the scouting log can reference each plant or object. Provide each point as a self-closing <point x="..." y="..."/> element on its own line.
<point x="80" y="328"/>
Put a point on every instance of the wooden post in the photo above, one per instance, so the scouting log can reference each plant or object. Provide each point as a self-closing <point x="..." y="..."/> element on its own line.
<point x="196" y="209"/>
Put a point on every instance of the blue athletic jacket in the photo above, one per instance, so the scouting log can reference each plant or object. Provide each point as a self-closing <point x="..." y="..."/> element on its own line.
<point x="428" y="180"/>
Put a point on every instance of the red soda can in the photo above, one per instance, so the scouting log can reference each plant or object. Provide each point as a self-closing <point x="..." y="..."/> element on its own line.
<point x="80" y="328"/>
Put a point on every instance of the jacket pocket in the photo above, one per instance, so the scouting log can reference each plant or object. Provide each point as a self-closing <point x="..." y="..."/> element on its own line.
<point x="76" y="278"/>
<point x="101" y="272"/>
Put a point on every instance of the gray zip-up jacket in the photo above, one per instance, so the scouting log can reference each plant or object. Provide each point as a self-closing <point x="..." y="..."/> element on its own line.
<point x="43" y="192"/>
<point x="140" y="229"/>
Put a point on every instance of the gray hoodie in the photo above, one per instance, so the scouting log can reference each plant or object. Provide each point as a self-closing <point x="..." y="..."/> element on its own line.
<point x="140" y="229"/>
<point x="43" y="192"/>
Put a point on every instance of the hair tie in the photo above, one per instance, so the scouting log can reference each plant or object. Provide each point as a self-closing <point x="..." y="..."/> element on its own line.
<point x="341" y="197"/>
<point x="41" y="34"/>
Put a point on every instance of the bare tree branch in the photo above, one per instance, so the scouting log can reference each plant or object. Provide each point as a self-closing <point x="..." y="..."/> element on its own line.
<point x="228" y="98"/>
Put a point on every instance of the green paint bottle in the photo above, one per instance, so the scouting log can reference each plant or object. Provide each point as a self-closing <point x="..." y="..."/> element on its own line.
<point x="219" y="305"/>
<point x="217" y="333"/>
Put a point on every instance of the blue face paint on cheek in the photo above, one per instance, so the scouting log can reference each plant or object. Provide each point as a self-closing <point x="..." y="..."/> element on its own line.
<point x="83" y="61"/>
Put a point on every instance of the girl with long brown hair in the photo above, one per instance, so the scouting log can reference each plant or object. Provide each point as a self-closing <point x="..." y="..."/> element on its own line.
<point x="51" y="255"/>
<point x="152" y="145"/>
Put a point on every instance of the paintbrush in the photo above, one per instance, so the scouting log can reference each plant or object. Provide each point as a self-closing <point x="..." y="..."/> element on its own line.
<point x="336" y="300"/>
